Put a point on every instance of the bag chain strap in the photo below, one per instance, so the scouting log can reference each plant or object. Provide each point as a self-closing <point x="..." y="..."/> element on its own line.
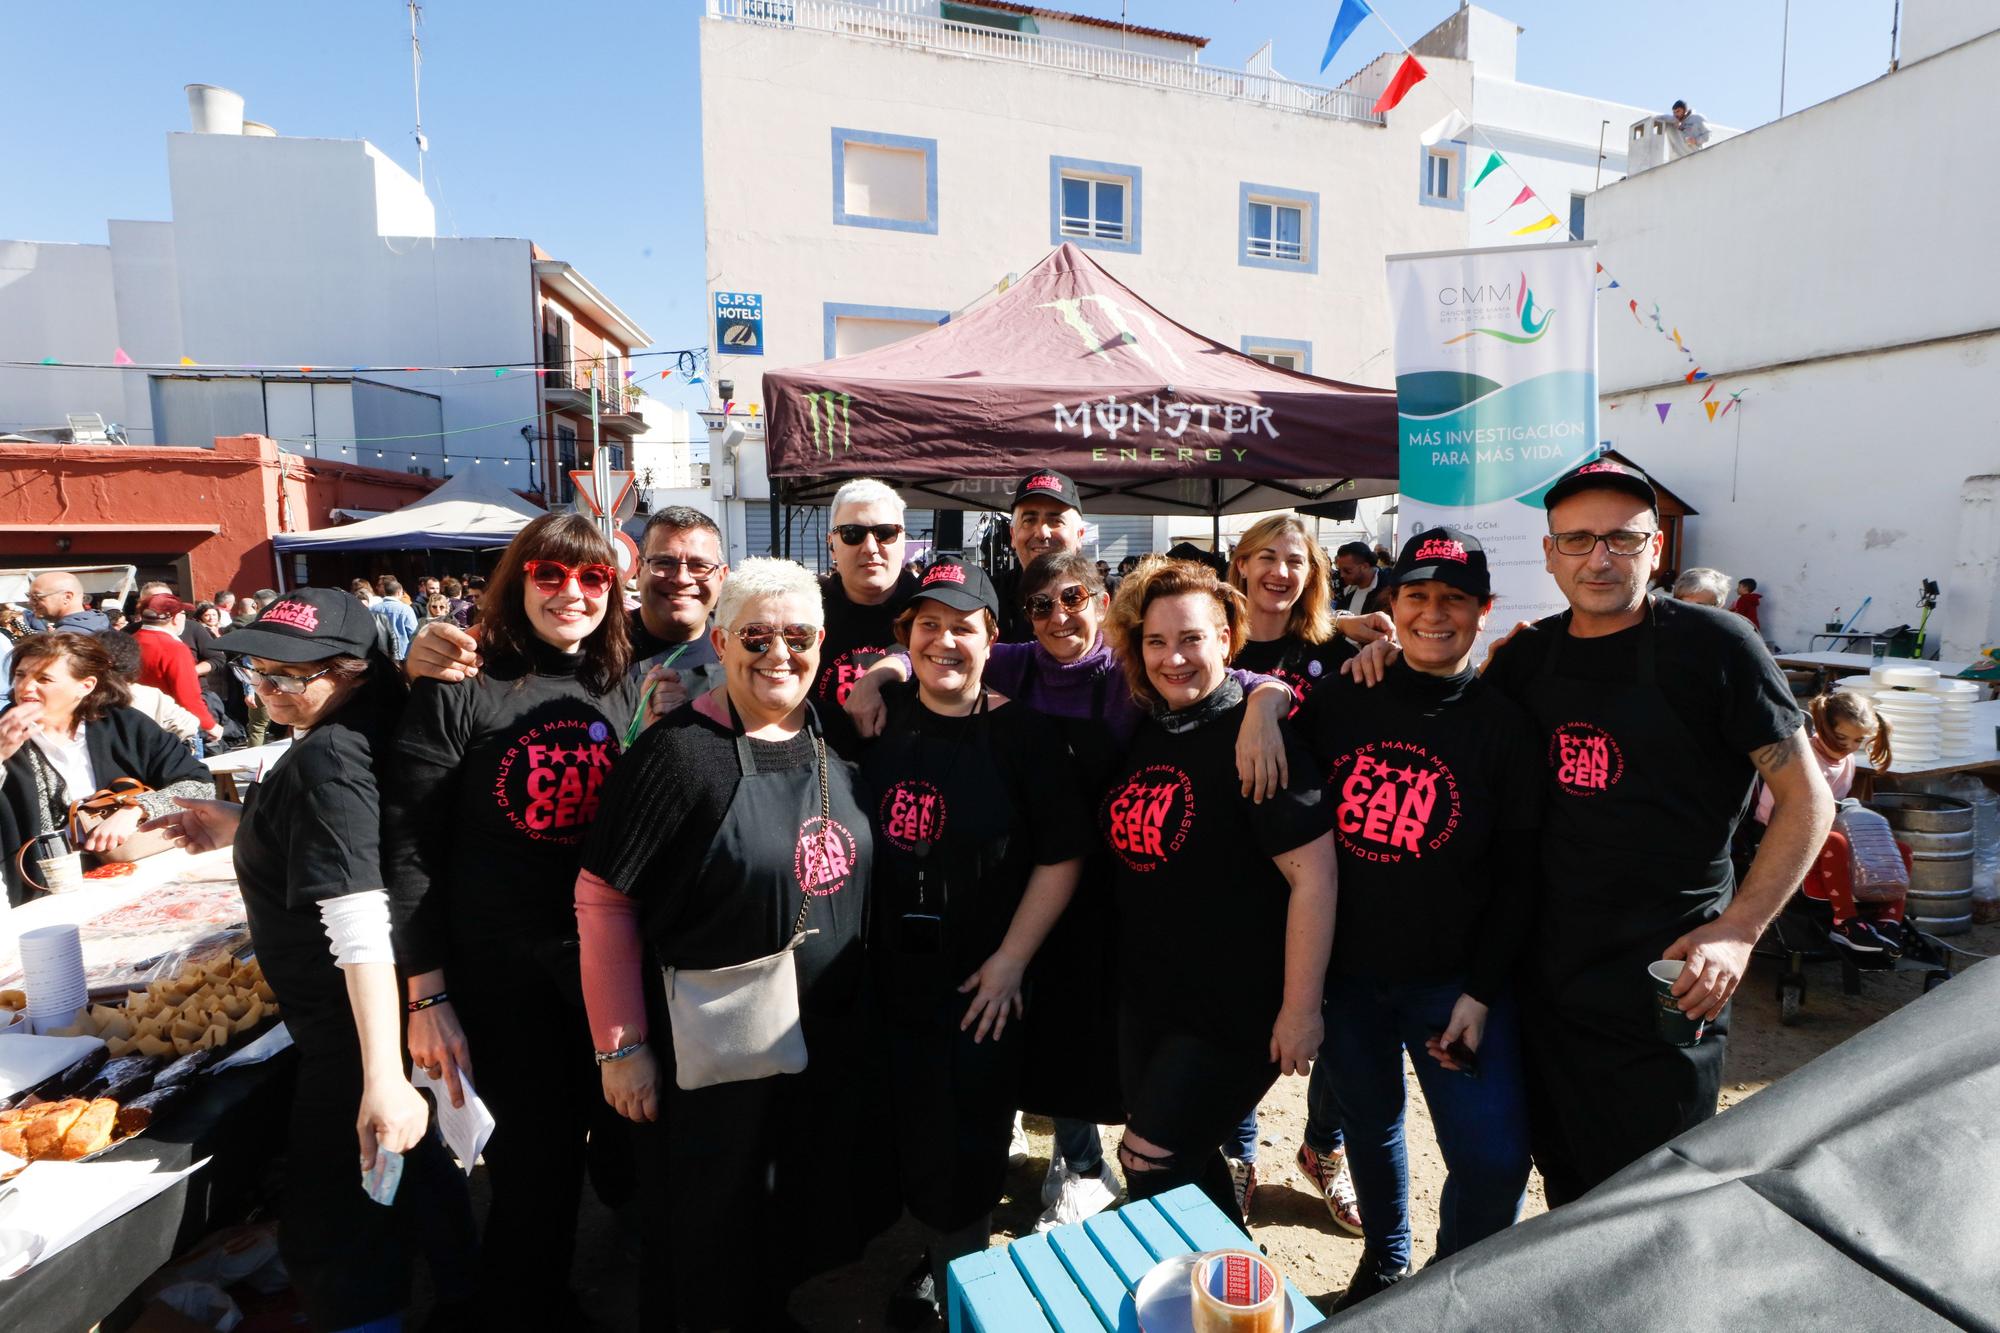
<point x="825" y="828"/>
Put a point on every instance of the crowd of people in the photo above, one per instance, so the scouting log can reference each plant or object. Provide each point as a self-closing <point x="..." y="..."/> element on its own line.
<point x="771" y="902"/>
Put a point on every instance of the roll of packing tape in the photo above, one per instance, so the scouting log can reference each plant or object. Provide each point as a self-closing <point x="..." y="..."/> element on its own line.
<point x="1236" y="1291"/>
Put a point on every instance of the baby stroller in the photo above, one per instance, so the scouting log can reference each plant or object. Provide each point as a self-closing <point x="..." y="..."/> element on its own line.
<point x="1803" y="933"/>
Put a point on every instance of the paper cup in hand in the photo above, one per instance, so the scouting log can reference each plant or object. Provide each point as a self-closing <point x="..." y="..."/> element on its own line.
<point x="1674" y="1026"/>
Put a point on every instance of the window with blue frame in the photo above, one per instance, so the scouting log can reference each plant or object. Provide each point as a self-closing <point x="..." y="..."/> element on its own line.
<point x="1443" y="183"/>
<point x="1576" y="216"/>
<point x="1278" y="228"/>
<point x="888" y="181"/>
<point x="1094" y="204"/>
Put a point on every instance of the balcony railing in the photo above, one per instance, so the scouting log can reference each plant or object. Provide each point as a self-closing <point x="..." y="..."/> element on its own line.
<point x="915" y="23"/>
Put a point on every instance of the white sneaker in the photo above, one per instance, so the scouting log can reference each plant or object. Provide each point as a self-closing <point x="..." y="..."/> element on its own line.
<point x="1080" y="1197"/>
<point x="1052" y="1182"/>
<point x="1017" y="1146"/>
<point x="1243" y="1176"/>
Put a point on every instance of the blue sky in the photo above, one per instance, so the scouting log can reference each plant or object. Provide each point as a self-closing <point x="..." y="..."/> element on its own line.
<point x="577" y="124"/>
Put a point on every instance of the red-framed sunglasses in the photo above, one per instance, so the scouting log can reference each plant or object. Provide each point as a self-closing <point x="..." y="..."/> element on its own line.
<point x="552" y="576"/>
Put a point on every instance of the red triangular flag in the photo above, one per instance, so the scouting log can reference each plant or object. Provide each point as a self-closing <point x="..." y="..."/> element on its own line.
<point x="1706" y="392"/>
<point x="118" y="358"/>
<point x="1408" y="75"/>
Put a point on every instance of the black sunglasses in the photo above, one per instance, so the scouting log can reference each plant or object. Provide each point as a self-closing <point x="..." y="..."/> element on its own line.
<point x="853" y="534"/>
<point x="1041" y="606"/>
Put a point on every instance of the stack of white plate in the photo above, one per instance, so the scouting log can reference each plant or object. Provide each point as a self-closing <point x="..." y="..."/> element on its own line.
<point x="1903" y="677"/>
<point x="1955" y="717"/>
<point x="1916" y="721"/>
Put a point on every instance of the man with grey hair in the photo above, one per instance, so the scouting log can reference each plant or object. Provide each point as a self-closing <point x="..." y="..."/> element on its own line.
<point x="1703" y="587"/>
<point x="867" y="590"/>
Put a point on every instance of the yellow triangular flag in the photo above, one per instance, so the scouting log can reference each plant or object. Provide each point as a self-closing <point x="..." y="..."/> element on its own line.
<point x="1543" y="225"/>
<point x="187" y="360"/>
<point x="1711" y="409"/>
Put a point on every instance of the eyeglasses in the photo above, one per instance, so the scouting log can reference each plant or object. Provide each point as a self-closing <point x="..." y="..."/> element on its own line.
<point x="264" y="680"/>
<point x="552" y="576"/>
<point x="853" y="534"/>
<point x="1041" y="605"/>
<point x="670" y="566"/>
<point x="757" y="637"/>
<point x="1625" y="541"/>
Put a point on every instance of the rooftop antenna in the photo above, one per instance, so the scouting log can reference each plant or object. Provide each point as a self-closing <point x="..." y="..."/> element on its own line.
<point x="417" y="87"/>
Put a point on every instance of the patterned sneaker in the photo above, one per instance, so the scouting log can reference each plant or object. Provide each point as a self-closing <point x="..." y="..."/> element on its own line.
<point x="1329" y="1175"/>
<point x="1243" y="1175"/>
<point x="1856" y="936"/>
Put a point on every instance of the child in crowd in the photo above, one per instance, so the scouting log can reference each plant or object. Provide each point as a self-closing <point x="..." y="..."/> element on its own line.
<point x="1748" y="599"/>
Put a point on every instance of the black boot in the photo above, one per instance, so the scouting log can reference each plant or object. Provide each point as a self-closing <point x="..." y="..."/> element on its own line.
<point x="1371" y="1277"/>
<point x="915" y="1304"/>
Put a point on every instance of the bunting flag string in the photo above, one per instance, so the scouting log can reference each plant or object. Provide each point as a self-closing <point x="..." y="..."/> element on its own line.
<point x="1344" y="23"/>
<point x="1547" y="222"/>
<point x="1493" y="163"/>
<point x="1408" y="75"/>
<point x="1523" y="197"/>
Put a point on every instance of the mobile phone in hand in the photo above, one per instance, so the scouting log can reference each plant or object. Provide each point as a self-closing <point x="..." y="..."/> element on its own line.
<point x="1461" y="1055"/>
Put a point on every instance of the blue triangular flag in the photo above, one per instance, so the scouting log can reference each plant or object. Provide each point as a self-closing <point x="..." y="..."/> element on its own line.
<point x="1344" y="24"/>
<point x="1614" y="282"/>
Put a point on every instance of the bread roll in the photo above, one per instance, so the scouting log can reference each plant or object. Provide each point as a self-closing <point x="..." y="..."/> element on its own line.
<point x="91" y="1131"/>
<point x="44" y="1136"/>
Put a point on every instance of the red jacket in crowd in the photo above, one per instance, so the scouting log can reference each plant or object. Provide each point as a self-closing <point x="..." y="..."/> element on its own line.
<point x="166" y="664"/>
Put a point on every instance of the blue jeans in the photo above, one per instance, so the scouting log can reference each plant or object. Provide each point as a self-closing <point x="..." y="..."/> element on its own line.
<point x="1482" y="1122"/>
<point x="1243" y="1147"/>
<point x="1082" y="1151"/>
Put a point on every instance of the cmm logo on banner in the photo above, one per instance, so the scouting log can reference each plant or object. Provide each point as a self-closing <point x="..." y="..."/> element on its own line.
<point x="1496" y="397"/>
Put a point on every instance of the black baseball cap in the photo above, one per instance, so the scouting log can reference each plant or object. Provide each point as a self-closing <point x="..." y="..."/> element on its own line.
<point x="959" y="585"/>
<point x="1046" y="481"/>
<point x="1447" y="555"/>
<point x="306" y="625"/>
<point x="1603" y="474"/>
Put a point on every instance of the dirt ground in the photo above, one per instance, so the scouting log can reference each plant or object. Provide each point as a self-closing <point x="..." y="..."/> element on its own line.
<point x="1288" y="1221"/>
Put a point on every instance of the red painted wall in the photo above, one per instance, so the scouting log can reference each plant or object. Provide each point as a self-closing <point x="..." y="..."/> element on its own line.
<point x="152" y="505"/>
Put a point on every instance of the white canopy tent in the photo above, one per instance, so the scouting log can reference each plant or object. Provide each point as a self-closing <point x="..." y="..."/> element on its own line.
<point x="470" y="512"/>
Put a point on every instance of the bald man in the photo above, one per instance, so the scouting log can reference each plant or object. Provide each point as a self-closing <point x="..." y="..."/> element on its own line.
<point x="56" y="600"/>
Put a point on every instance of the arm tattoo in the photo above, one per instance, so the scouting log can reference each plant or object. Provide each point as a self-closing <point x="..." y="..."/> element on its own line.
<point x="1771" y="758"/>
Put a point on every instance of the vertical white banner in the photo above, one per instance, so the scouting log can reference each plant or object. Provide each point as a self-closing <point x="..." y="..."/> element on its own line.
<point x="1496" y="397"/>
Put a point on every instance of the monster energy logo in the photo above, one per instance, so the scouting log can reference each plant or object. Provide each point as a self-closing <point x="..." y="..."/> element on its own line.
<point x="832" y="419"/>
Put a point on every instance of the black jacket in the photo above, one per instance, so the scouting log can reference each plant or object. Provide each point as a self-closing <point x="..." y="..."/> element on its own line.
<point x="124" y="744"/>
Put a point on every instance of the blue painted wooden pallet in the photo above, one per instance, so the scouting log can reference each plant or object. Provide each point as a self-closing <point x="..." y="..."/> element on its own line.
<point x="1079" y="1279"/>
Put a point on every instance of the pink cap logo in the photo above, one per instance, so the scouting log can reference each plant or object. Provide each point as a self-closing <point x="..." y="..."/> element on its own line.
<point x="1589" y="468"/>
<point x="1441" y="548"/>
<point x="944" y="574"/>
<point x="1044" y="481"/>
<point x="301" y="616"/>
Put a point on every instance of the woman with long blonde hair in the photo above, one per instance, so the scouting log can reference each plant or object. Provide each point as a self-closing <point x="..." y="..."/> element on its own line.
<point x="1296" y="631"/>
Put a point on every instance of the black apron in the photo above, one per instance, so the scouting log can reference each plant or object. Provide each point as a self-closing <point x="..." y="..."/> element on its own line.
<point x="756" y="1184"/>
<point x="1635" y="857"/>
<point x="1070" y="1064"/>
<point x="941" y="905"/>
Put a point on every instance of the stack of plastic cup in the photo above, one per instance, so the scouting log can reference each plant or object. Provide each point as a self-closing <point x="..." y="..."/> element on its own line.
<point x="52" y="971"/>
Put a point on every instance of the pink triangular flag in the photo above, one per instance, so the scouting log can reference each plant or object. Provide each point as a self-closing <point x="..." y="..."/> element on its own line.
<point x="1519" y="199"/>
<point x="1706" y="392"/>
<point x="1661" y="408"/>
<point x="118" y="358"/>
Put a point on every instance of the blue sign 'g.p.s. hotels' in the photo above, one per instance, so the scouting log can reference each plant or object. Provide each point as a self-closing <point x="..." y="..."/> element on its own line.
<point x="739" y="324"/>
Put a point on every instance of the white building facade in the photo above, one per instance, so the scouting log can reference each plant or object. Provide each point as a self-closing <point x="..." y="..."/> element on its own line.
<point x="319" y="254"/>
<point x="871" y="166"/>
<point x="1864" y="452"/>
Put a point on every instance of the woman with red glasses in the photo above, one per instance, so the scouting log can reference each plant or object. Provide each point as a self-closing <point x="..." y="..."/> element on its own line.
<point x="494" y="783"/>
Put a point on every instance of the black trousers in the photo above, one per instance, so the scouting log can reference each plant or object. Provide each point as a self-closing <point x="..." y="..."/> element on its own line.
<point x="350" y="1258"/>
<point x="1187" y="1093"/>
<point x="952" y="1105"/>
<point x="531" y="1063"/>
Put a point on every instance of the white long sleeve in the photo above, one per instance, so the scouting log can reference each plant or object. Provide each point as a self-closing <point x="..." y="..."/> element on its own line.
<point x="357" y="925"/>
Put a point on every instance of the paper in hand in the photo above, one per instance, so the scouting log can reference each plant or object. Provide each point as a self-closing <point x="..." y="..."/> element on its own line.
<point x="381" y="1179"/>
<point x="464" y="1129"/>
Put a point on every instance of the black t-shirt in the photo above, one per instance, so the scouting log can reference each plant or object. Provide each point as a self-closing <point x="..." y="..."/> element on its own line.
<point x="1202" y="906"/>
<point x="496" y="782"/>
<point x="1424" y="773"/>
<point x="1717" y="675"/>
<point x="1306" y="667"/>
<point x="310" y="833"/>
<point x="857" y="637"/>
<point x="206" y="645"/>
<point x="975" y="819"/>
<point x="657" y="822"/>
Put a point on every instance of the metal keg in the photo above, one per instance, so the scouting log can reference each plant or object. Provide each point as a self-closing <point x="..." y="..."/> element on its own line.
<point x="1938" y="830"/>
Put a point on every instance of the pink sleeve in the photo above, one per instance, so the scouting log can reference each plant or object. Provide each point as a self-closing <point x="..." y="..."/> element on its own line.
<point x="1840" y="778"/>
<point x="614" y="995"/>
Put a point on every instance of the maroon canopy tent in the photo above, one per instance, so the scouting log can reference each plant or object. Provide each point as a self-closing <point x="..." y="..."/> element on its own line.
<point x="1069" y="369"/>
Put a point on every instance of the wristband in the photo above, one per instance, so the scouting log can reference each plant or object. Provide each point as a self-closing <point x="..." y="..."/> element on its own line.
<point x="613" y="1057"/>
<point x="418" y="1006"/>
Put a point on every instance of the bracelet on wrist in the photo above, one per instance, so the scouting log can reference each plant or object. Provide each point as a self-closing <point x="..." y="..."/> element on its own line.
<point x="613" y="1057"/>
<point x="418" y="1006"/>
